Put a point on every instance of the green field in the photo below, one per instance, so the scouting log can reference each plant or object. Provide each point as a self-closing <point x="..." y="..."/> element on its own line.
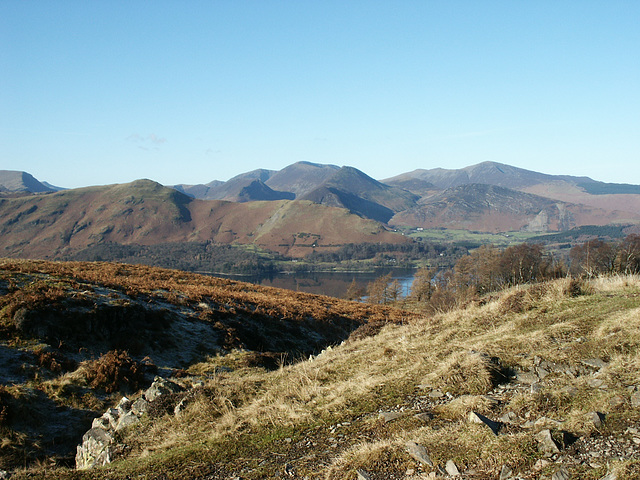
<point x="468" y="238"/>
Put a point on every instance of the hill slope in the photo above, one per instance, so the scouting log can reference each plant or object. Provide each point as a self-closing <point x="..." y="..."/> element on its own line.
<point x="58" y="321"/>
<point x="491" y="208"/>
<point x="146" y="213"/>
<point x="536" y="381"/>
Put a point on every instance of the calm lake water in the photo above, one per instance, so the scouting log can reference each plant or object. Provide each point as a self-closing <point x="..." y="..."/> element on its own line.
<point x="328" y="283"/>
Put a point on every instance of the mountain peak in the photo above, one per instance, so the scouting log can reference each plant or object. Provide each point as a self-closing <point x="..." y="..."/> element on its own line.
<point x="18" y="181"/>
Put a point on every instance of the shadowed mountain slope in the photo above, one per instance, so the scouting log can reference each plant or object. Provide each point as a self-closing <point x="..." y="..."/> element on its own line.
<point x="202" y="191"/>
<point x="352" y="189"/>
<point x="343" y="187"/>
<point x="229" y="190"/>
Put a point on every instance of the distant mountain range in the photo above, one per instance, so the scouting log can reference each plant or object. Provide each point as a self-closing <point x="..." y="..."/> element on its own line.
<point x="22" y="182"/>
<point x="303" y="206"/>
<point x="519" y="199"/>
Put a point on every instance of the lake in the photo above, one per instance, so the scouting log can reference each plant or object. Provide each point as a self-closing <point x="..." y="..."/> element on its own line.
<point x="334" y="284"/>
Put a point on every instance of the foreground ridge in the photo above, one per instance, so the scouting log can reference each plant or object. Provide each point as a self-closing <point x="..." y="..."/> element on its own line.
<point x="536" y="382"/>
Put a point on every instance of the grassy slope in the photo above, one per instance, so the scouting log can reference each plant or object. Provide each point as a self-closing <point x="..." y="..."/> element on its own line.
<point x="75" y="312"/>
<point x="321" y="416"/>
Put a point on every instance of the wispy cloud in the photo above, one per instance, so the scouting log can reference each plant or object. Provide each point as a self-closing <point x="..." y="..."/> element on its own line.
<point x="142" y="140"/>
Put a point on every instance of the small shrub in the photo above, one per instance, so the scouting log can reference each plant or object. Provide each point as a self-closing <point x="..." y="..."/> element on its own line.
<point x="443" y="300"/>
<point x="114" y="371"/>
<point x="576" y="287"/>
<point x="164" y="404"/>
<point x="54" y="361"/>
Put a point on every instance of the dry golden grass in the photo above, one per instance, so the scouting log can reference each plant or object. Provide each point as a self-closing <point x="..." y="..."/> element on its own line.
<point x="444" y="351"/>
<point x="240" y="419"/>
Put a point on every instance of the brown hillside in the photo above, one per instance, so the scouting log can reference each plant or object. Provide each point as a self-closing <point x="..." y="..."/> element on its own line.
<point x="626" y="205"/>
<point x="146" y="213"/>
<point x="75" y="337"/>
<point x="491" y="208"/>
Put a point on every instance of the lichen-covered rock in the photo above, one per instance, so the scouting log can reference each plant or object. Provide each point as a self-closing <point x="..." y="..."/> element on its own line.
<point x="140" y="406"/>
<point x="127" y="420"/>
<point x="98" y="445"/>
<point x="161" y="386"/>
<point x="96" y="449"/>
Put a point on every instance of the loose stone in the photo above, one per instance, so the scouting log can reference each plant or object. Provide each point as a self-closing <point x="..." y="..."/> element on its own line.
<point x="419" y="453"/>
<point x="452" y="469"/>
<point x="547" y="443"/>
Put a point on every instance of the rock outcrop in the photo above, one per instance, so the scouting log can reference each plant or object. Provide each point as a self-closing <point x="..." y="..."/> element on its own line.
<point x="100" y="444"/>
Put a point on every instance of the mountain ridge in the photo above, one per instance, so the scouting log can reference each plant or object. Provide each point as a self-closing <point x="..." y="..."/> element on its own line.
<point x="145" y="212"/>
<point x="15" y="181"/>
<point x="436" y="198"/>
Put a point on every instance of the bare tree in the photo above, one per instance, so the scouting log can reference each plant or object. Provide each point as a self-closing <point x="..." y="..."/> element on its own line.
<point x="422" y="286"/>
<point x="628" y="260"/>
<point x="380" y="290"/>
<point x="354" y="292"/>
<point x="593" y="258"/>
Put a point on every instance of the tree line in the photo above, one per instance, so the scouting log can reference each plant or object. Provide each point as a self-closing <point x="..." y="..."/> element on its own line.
<point x="385" y="254"/>
<point x="489" y="269"/>
<point x="187" y="256"/>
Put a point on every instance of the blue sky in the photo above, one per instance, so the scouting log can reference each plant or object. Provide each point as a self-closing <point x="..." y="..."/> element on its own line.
<point x="100" y="92"/>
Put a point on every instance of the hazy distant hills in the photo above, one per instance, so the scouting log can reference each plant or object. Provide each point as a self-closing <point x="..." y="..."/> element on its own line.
<point x="489" y="173"/>
<point x="19" y="182"/>
<point x="291" y="182"/>
<point x="576" y="200"/>
<point x="344" y="187"/>
<point x="501" y="175"/>
<point x="302" y="207"/>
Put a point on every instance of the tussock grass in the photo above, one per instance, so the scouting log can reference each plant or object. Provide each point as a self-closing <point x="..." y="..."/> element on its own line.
<point x="252" y="421"/>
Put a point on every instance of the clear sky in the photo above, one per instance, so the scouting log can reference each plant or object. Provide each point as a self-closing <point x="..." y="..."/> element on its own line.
<point x="108" y="91"/>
